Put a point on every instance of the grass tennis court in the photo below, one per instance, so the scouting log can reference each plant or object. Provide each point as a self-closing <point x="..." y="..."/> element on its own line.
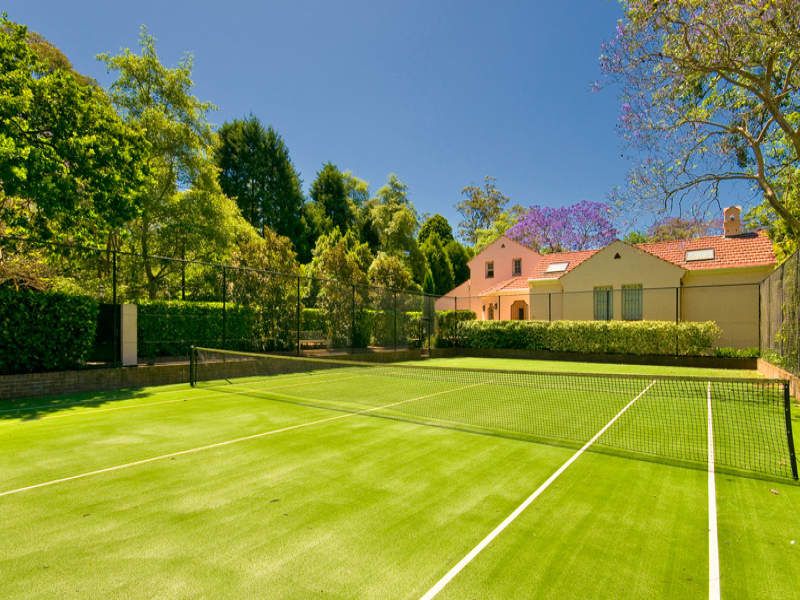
<point x="332" y="482"/>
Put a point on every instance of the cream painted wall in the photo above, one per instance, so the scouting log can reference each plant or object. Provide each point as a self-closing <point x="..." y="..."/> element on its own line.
<point x="632" y="266"/>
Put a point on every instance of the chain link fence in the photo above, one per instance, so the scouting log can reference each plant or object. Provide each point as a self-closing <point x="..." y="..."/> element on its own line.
<point x="184" y="303"/>
<point x="780" y="315"/>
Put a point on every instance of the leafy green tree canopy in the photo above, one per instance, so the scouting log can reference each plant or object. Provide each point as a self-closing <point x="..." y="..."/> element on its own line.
<point x="439" y="264"/>
<point x="329" y="193"/>
<point x="63" y="148"/>
<point x="256" y="171"/>
<point x="390" y="272"/>
<point x="459" y="258"/>
<point x="710" y="94"/>
<point x="439" y="225"/>
<point x="481" y="207"/>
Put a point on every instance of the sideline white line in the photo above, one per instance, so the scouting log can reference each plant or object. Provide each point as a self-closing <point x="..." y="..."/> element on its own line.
<point x="459" y="566"/>
<point x="228" y="442"/>
<point x="713" y="540"/>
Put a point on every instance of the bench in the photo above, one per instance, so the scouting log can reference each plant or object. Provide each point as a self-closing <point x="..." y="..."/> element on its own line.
<point x="313" y="339"/>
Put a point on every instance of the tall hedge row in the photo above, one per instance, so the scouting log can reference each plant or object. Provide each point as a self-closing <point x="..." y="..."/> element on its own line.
<point x="44" y="331"/>
<point x="601" y="337"/>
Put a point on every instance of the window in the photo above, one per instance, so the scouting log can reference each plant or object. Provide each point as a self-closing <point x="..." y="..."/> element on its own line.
<point x="705" y="254"/>
<point x="603" y="303"/>
<point x="556" y="267"/>
<point x="516" y="266"/>
<point x="489" y="269"/>
<point x="632" y="302"/>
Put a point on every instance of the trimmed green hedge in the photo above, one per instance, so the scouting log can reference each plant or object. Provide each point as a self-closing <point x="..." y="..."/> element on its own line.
<point x="448" y="326"/>
<point x="169" y="328"/>
<point x="44" y="331"/>
<point x="593" y="337"/>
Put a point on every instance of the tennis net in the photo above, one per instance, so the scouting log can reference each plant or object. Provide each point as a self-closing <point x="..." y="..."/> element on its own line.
<point x="668" y="422"/>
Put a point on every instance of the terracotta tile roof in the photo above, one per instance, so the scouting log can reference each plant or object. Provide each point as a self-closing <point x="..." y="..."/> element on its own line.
<point x="745" y="250"/>
<point x="539" y="270"/>
<point x="513" y="284"/>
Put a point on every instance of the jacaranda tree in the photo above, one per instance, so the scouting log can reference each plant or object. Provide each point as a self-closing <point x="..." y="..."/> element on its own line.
<point x="580" y="226"/>
<point x="710" y="94"/>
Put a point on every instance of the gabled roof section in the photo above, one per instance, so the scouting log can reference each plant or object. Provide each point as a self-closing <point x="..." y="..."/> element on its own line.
<point x="515" y="284"/>
<point x="573" y="259"/>
<point x="503" y="240"/>
<point x="746" y="250"/>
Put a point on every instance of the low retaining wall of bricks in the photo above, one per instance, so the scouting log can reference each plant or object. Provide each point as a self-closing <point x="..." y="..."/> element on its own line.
<point x="32" y="385"/>
<point x="769" y="370"/>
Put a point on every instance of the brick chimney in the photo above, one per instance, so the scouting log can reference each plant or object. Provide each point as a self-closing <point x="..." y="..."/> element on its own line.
<point x="732" y="224"/>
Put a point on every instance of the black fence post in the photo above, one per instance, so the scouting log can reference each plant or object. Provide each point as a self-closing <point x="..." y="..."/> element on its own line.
<point x="116" y="313"/>
<point x="224" y="305"/>
<point x="796" y="304"/>
<point x="787" y="414"/>
<point x="394" y="317"/>
<point x="456" y="322"/>
<point x="298" y="315"/>
<point x="353" y="319"/>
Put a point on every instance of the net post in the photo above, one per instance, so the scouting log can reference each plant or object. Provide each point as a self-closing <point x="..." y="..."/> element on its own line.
<point x="787" y="413"/>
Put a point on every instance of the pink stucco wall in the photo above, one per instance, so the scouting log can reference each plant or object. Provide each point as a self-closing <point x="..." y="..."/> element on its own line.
<point x="468" y="295"/>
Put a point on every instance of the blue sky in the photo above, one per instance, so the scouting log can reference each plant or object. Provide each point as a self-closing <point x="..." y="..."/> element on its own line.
<point x="439" y="92"/>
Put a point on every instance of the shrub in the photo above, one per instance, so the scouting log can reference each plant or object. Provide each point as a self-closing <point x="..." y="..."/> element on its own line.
<point x="44" y="331"/>
<point x="169" y="328"/>
<point x="606" y="337"/>
<point x="449" y="322"/>
<point x="728" y="352"/>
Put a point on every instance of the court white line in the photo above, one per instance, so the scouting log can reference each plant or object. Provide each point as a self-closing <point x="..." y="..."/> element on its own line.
<point x="459" y="566"/>
<point x="254" y="436"/>
<point x="713" y="539"/>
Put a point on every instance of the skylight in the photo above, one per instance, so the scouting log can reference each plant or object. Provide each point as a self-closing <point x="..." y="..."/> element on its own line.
<point x="704" y="254"/>
<point x="556" y="267"/>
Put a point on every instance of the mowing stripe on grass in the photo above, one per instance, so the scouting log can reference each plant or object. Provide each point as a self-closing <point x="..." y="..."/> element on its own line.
<point x="246" y="438"/>
<point x="713" y="540"/>
<point x="459" y="566"/>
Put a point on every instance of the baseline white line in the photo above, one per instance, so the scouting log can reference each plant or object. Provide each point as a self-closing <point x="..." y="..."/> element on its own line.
<point x="227" y="442"/>
<point x="459" y="566"/>
<point x="713" y="540"/>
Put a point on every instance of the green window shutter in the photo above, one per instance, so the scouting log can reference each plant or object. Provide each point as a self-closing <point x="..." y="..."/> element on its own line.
<point x="603" y="303"/>
<point x="632" y="301"/>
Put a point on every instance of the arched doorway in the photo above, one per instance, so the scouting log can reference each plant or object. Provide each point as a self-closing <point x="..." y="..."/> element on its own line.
<point x="519" y="310"/>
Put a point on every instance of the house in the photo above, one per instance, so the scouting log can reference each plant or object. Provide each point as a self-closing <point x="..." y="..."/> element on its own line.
<point x="711" y="278"/>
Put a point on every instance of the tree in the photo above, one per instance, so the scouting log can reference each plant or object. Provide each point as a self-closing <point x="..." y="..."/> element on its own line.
<point x="763" y="215"/>
<point x="435" y="224"/>
<point x="332" y="207"/>
<point x="395" y="219"/>
<point x="480" y="207"/>
<point x="459" y="258"/>
<point x="265" y="277"/>
<point x="635" y="237"/>
<point x="439" y="265"/>
<point x="677" y="228"/>
<point x="391" y="273"/>
<point x="340" y="274"/>
<point x="581" y="226"/>
<point x="504" y="221"/>
<point x="710" y="94"/>
<point x="157" y="101"/>
<point x="256" y="171"/>
<point x="64" y="151"/>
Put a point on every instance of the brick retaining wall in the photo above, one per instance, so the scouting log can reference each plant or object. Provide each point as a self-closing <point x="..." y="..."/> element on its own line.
<point x="31" y="385"/>
<point x="771" y="371"/>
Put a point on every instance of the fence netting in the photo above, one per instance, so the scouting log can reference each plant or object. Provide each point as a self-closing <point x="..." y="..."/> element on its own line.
<point x="780" y="315"/>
